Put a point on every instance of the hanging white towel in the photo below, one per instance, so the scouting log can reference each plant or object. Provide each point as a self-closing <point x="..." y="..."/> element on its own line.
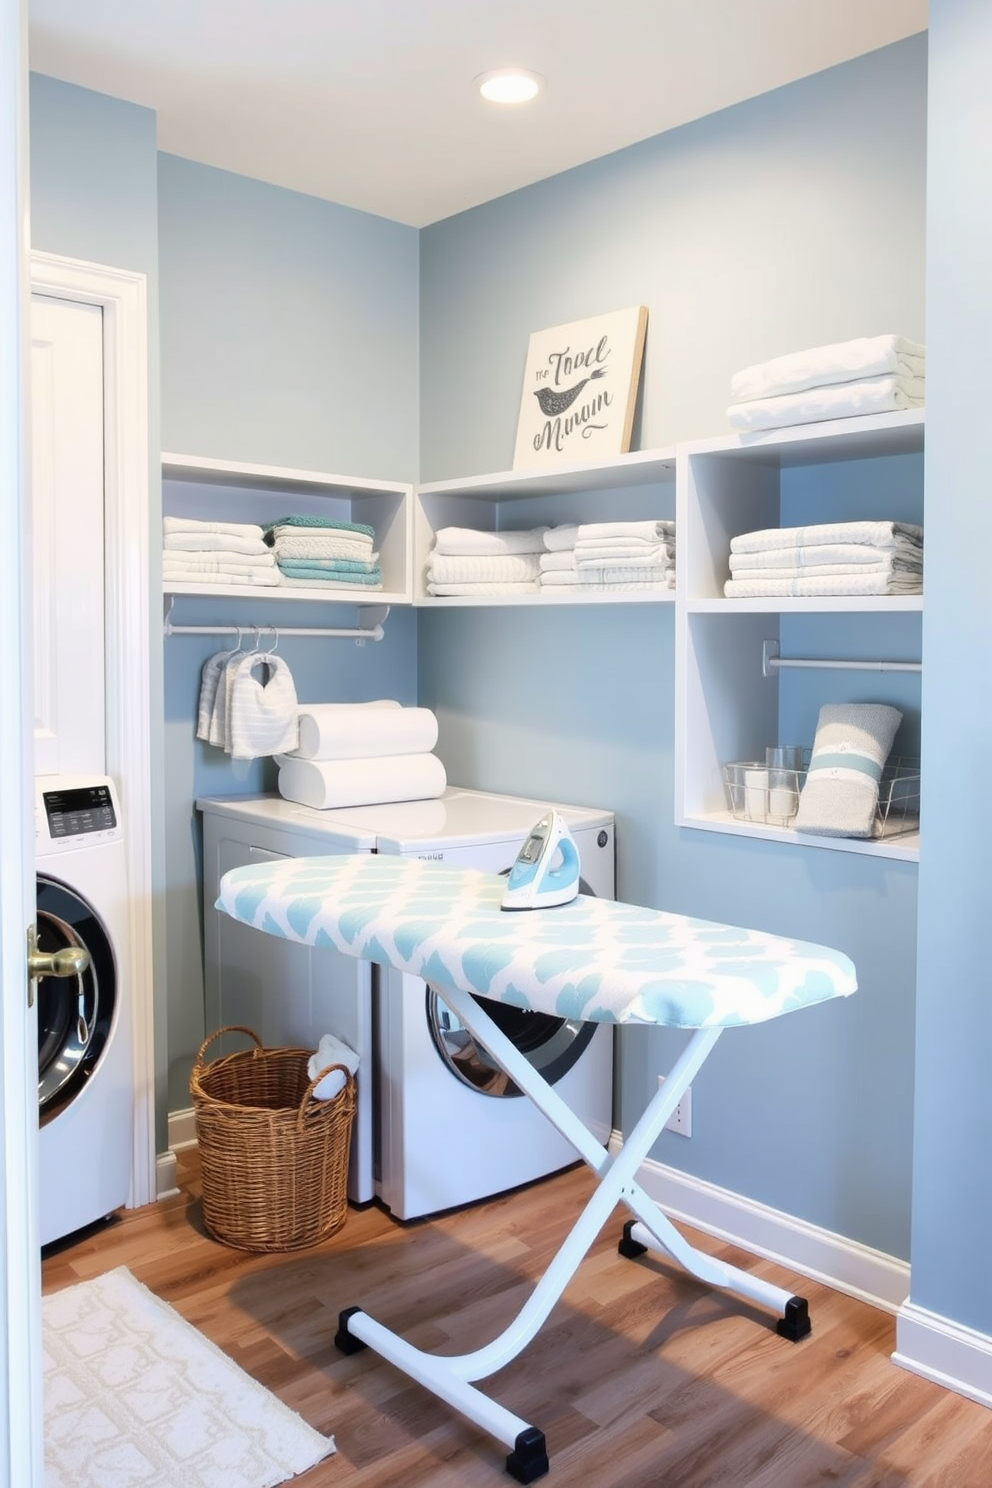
<point x="339" y="731"/>
<point x="210" y="679"/>
<point x="359" y="782"/>
<point x="842" y="361"/>
<point x="263" y="709"/>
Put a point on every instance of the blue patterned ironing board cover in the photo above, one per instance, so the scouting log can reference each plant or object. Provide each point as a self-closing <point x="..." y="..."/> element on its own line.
<point x="593" y="959"/>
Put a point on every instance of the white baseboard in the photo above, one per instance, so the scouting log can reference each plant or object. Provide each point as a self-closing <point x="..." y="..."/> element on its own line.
<point x="166" y="1186"/>
<point x="182" y="1128"/>
<point x="182" y="1133"/>
<point x="948" y="1353"/>
<point x="870" y="1275"/>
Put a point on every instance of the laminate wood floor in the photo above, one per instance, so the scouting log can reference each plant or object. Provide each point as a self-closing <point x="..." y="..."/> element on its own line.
<point x="641" y="1378"/>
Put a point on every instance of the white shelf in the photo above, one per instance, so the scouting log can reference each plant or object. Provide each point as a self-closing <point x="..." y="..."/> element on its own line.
<point x="643" y="467"/>
<point x="726" y="708"/>
<point x="233" y="491"/>
<point x="905" y="848"/>
<point x="273" y="478"/>
<point x="563" y="494"/>
<point x="543" y="598"/>
<point x="839" y="604"/>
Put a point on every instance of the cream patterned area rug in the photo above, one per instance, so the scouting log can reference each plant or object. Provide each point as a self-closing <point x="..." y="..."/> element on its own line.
<point x="136" y="1398"/>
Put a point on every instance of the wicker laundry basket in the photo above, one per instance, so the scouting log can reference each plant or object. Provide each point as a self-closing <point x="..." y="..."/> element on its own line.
<point x="274" y="1160"/>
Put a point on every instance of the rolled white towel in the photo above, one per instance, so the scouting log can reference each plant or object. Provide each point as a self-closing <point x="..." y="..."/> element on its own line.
<point x="466" y="540"/>
<point x="331" y="1051"/>
<point x="852" y="743"/>
<point x="356" y="731"/>
<point x="326" y="784"/>
<point x="841" y="361"/>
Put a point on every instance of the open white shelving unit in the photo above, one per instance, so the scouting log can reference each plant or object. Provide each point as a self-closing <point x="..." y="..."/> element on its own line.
<point x="490" y="503"/>
<point x="729" y="702"/>
<point x="230" y="491"/>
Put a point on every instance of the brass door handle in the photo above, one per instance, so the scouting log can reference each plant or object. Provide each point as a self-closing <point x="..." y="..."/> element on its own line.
<point x="70" y="961"/>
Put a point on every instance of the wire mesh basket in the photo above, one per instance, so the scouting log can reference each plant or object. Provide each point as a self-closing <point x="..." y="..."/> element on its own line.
<point x="274" y="1160"/>
<point x="757" y="792"/>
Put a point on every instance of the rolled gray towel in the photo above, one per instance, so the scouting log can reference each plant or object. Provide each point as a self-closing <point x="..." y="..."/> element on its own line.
<point x="852" y="743"/>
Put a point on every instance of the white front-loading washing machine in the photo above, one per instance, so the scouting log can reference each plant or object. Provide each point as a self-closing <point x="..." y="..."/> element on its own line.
<point x="85" y="1064"/>
<point x="451" y="1127"/>
<point x="289" y="995"/>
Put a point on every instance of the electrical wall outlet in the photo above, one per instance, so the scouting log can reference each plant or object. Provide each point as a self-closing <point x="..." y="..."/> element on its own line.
<point x="681" y="1118"/>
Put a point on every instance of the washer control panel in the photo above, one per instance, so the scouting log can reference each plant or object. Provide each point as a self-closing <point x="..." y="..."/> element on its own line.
<point x="75" y="811"/>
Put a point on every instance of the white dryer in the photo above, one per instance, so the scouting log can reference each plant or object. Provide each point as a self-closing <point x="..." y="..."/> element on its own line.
<point x="451" y="1128"/>
<point x="85" y="1068"/>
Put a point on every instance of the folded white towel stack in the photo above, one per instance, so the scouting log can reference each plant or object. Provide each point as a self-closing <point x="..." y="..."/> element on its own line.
<point x="216" y="553"/>
<point x="827" y="558"/>
<point x="598" y="556"/>
<point x="464" y="561"/>
<point x="362" y="754"/>
<point x="870" y="374"/>
<point x="314" y="551"/>
<point x="331" y="1051"/>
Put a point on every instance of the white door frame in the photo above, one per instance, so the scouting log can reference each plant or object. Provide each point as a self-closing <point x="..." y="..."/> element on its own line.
<point x="20" y="1270"/>
<point x="121" y="294"/>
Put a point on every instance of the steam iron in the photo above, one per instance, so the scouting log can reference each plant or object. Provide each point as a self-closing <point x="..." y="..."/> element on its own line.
<point x="546" y="871"/>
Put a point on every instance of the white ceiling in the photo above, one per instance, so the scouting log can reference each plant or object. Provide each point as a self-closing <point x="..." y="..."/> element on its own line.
<point x="371" y="102"/>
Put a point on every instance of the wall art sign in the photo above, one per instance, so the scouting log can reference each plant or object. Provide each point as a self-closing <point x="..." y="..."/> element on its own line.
<point x="580" y="383"/>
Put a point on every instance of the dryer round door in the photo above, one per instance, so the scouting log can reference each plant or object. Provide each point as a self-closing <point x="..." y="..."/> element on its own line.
<point x="552" y="1045"/>
<point x="75" y="1013"/>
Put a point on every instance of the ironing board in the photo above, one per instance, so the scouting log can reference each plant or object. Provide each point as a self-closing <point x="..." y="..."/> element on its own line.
<point x="592" y="959"/>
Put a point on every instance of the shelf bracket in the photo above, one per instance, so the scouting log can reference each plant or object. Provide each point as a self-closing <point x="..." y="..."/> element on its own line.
<point x="772" y="661"/>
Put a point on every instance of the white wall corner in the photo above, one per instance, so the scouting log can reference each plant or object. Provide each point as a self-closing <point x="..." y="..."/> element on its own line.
<point x="859" y="1271"/>
<point x="945" y="1352"/>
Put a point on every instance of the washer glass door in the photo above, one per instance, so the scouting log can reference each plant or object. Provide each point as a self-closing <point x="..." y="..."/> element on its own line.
<point x="552" y="1045"/>
<point x="75" y="1013"/>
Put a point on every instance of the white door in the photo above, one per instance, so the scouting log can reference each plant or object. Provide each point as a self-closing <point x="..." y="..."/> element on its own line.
<point x="67" y="525"/>
<point x="20" y="1276"/>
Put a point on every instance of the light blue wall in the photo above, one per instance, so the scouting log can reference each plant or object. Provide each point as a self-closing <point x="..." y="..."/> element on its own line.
<point x="952" y="1199"/>
<point x="289" y="337"/>
<point x="94" y="197"/>
<point x="791" y="220"/>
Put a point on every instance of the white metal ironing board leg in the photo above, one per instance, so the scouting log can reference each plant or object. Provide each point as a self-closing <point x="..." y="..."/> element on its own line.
<point x="449" y="1377"/>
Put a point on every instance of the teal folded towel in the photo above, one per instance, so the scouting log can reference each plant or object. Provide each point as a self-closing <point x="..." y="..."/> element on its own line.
<point x="304" y="519"/>
<point x="327" y="565"/>
<point x="331" y="575"/>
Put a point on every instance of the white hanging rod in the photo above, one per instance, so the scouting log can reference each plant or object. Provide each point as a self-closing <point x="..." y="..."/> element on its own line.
<point x="771" y="662"/>
<point x="372" y="632"/>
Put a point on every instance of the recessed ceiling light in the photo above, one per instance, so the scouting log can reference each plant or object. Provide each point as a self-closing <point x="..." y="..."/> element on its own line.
<point x="510" y="85"/>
